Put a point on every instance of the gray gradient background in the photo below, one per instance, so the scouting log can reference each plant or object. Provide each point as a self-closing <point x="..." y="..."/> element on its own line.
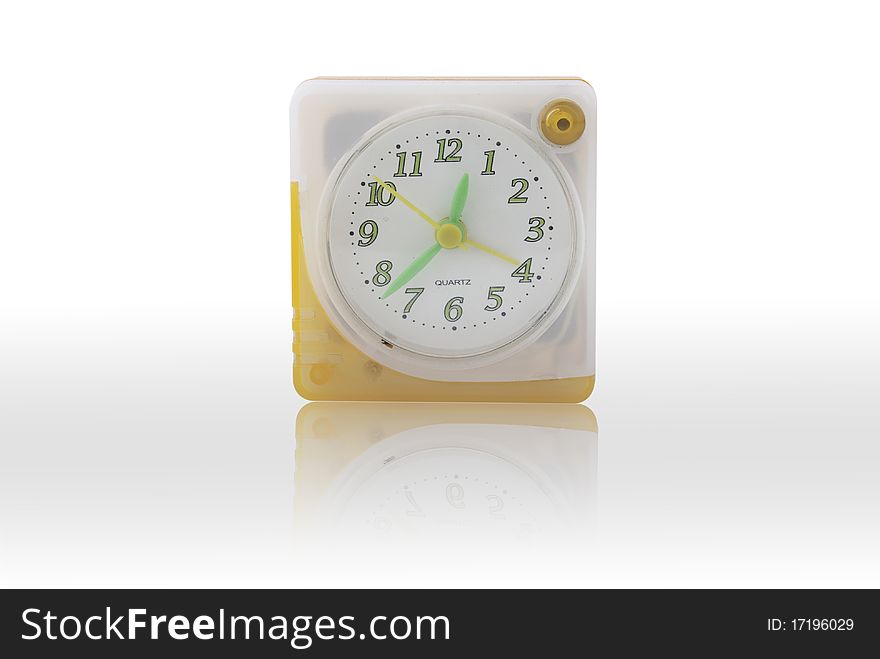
<point x="146" y="415"/>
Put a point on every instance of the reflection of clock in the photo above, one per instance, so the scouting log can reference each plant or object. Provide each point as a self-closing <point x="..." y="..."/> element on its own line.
<point x="447" y="253"/>
<point x="369" y="473"/>
<point x="440" y="492"/>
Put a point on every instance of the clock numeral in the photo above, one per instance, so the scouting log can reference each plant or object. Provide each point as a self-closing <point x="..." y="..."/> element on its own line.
<point x="416" y="510"/>
<point x="452" y="311"/>
<point x="517" y="197"/>
<point x="535" y="230"/>
<point x="494" y="297"/>
<point x="383" y="273"/>
<point x="454" y="143"/>
<point x="490" y="160"/>
<point x="523" y="272"/>
<point x="368" y="231"/>
<point x="415" y="292"/>
<point x="379" y="196"/>
<point x="455" y="495"/>
<point x="416" y="166"/>
<point x="496" y="505"/>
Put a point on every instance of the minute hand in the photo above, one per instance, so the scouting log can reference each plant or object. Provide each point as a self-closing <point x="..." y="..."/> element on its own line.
<point x="413" y="269"/>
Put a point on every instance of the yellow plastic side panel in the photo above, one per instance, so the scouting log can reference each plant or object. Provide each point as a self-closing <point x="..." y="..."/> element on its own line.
<point x="327" y="367"/>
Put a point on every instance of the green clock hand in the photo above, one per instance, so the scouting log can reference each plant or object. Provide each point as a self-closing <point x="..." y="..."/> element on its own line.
<point x="449" y="235"/>
<point x="459" y="198"/>
<point x="413" y="269"/>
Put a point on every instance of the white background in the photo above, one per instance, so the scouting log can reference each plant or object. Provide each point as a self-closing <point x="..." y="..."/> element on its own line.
<point x="146" y="413"/>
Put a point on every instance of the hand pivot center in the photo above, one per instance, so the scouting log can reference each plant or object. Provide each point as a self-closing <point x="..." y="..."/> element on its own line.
<point x="450" y="235"/>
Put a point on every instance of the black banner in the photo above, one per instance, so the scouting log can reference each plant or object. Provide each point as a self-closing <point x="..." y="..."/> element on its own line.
<point x="429" y="623"/>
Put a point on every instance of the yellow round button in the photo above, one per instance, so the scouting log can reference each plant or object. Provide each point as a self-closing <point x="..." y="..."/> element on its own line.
<point x="562" y="122"/>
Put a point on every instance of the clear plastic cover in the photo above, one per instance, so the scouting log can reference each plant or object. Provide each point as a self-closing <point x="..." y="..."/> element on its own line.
<point x="331" y="122"/>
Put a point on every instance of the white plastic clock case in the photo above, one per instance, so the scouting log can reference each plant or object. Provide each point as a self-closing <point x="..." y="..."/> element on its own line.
<point x="546" y="349"/>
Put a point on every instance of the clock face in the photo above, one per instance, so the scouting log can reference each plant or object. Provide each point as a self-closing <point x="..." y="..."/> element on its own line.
<point x="452" y="234"/>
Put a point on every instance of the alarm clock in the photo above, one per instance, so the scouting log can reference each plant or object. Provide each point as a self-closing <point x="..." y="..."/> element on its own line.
<point x="443" y="239"/>
<point x="435" y="474"/>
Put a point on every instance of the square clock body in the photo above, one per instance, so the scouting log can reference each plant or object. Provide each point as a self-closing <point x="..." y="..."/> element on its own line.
<point x="443" y="239"/>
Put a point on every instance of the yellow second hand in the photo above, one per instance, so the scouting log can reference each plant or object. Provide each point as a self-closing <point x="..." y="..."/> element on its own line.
<point x="489" y="250"/>
<point x="473" y="243"/>
<point x="406" y="202"/>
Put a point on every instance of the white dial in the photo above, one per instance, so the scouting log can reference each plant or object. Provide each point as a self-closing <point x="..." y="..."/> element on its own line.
<point x="421" y="279"/>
